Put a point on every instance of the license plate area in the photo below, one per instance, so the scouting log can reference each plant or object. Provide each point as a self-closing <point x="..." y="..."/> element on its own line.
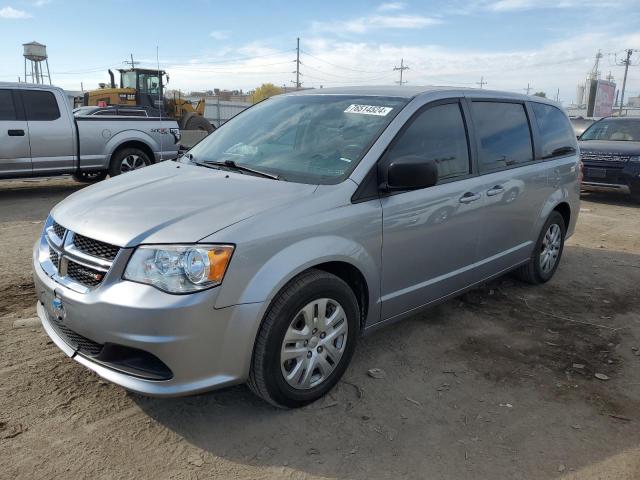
<point x="596" y="172"/>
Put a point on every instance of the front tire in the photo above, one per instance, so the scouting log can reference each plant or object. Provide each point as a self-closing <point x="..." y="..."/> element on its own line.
<point x="306" y="341"/>
<point x="547" y="252"/>
<point x="127" y="160"/>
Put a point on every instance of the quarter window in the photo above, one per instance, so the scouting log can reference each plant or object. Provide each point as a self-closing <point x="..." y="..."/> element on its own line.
<point x="504" y="138"/>
<point x="438" y="134"/>
<point x="7" y="108"/>
<point x="556" y="132"/>
<point x="40" y="105"/>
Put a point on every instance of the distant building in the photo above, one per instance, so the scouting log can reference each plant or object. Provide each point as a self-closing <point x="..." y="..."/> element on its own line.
<point x="634" y="102"/>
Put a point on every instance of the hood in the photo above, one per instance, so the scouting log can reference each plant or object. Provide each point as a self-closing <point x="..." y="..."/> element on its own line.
<point x="171" y="203"/>
<point x="610" y="147"/>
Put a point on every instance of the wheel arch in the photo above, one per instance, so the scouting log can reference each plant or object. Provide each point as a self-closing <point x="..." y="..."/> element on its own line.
<point x="140" y="145"/>
<point x="564" y="209"/>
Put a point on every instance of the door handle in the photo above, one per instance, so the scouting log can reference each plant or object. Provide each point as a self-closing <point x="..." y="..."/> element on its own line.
<point x="497" y="190"/>
<point x="469" y="197"/>
<point x="16" y="133"/>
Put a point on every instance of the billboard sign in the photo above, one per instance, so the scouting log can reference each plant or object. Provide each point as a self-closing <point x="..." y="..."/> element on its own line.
<point x="603" y="94"/>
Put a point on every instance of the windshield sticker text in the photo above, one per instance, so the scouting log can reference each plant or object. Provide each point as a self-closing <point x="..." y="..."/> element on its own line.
<point x="368" y="110"/>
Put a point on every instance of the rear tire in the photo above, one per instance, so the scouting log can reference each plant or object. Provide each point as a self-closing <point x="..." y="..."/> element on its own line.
<point x="90" y="177"/>
<point x="306" y="340"/>
<point x="126" y="160"/>
<point x="547" y="253"/>
<point x="198" y="122"/>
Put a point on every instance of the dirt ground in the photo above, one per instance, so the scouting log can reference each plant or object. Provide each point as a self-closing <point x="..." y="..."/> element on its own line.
<point x="497" y="384"/>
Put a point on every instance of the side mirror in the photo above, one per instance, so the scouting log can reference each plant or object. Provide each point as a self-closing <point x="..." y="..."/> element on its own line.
<point x="411" y="172"/>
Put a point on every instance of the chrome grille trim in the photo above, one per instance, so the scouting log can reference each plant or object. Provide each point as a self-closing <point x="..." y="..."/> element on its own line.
<point x="70" y="266"/>
<point x="604" y="157"/>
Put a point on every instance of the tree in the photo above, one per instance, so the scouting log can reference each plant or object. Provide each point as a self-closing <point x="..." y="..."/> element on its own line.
<point x="540" y="94"/>
<point x="265" y="90"/>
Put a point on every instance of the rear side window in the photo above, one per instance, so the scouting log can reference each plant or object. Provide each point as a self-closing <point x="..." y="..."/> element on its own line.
<point x="556" y="132"/>
<point x="437" y="134"/>
<point x="40" y="105"/>
<point x="504" y="138"/>
<point x="7" y="108"/>
<point x="132" y="113"/>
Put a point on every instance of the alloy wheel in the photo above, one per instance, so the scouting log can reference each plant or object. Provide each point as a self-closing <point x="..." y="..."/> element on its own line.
<point x="314" y="343"/>
<point x="131" y="162"/>
<point x="551" y="244"/>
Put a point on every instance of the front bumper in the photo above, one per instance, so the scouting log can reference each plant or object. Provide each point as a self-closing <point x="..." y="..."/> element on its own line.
<point x="611" y="177"/>
<point x="203" y="347"/>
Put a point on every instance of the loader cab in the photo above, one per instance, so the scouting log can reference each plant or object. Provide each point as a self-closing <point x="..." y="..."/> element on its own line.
<point x="147" y="84"/>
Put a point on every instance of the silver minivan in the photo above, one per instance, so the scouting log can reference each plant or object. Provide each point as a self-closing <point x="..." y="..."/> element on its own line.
<point x="263" y="254"/>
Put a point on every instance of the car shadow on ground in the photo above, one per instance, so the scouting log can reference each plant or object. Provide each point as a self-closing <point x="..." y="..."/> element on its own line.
<point x="610" y="198"/>
<point x="31" y="200"/>
<point x="484" y="385"/>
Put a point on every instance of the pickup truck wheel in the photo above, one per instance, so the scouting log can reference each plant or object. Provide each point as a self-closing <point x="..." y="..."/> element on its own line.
<point x="90" y="177"/>
<point x="547" y="252"/>
<point x="127" y="160"/>
<point x="306" y="341"/>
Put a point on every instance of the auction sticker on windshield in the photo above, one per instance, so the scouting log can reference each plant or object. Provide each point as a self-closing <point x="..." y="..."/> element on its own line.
<point x="368" y="110"/>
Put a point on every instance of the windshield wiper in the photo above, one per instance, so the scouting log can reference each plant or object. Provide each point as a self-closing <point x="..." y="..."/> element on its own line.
<point x="230" y="164"/>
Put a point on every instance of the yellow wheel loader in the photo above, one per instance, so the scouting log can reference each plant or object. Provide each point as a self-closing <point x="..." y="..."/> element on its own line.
<point x="145" y="88"/>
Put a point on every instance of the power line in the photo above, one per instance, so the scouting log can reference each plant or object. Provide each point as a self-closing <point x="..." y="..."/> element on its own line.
<point x="343" y="67"/>
<point x="401" y="68"/>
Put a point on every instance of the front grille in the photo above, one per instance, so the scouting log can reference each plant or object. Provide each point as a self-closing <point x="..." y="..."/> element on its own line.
<point x="95" y="248"/>
<point x="83" y="344"/>
<point x="84" y="275"/>
<point x="604" y="157"/>
<point x="59" y="230"/>
<point x="54" y="257"/>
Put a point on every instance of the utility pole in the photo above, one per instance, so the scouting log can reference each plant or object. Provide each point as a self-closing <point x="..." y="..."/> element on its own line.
<point x="626" y="62"/>
<point x="558" y="95"/>
<point x="297" y="83"/>
<point x="132" y="63"/>
<point x="481" y="82"/>
<point x="401" y="68"/>
<point x="528" y="89"/>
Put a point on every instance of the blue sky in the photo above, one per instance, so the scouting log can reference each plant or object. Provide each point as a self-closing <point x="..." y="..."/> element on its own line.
<point x="548" y="44"/>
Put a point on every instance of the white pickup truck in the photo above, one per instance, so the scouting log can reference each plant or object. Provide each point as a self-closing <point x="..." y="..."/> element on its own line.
<point x="40" y="136"/>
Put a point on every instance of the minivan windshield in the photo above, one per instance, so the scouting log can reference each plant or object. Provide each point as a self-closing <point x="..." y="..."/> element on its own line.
<point x="316" y="139"/>
<point x="626" y="130"/>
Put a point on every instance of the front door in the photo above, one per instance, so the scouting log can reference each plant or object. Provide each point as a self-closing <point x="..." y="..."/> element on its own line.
<point x="430" y="235"/>
<point x="50" y="133"/>
<point x="15" y="154"/>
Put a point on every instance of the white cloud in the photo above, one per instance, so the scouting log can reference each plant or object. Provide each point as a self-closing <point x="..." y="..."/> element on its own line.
<point x="374" y="22"/>
<point x="391" y="6"/>
<point x="219" y="34"/>
<point x="519" y="5"/>
<point x="41" y="3"/>
<point x="11" y="13"/>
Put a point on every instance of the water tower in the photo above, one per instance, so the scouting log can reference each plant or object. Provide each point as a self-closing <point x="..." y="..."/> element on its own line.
<point x="35" y="54"/>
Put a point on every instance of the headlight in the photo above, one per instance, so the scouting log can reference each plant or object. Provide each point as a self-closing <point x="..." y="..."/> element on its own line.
<point x="179" y="268"/>
<point x="635" y="159"/>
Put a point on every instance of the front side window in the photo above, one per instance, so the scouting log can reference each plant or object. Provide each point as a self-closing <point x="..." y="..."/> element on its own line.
<point x="437" y="134"/>
<point x="7" y="108"/>
<point x="129" y="80"/>
<point x="555" y="130"/>
<point x="503" y="134"/>
<point x="620" y="130"/>
<point x="40" y="105"/>
<point x="149" y="83"/>
<point x="317" y="139"/>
